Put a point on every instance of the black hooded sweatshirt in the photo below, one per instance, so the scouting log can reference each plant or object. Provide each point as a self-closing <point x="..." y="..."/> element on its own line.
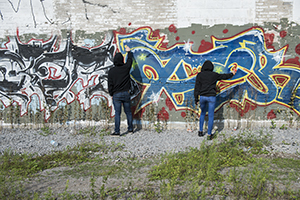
<point x="206" y="81"/>
<point x="119" y="75"/>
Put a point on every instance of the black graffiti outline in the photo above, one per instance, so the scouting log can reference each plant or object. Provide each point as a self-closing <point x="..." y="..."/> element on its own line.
<point x="33" y="75"/>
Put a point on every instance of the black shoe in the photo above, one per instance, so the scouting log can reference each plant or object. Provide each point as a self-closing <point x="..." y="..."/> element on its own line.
<point x="210" y="137"/>
<point x="114" y="134"/>
<point x="130" y="132"/>
<point x="200" y="133"/>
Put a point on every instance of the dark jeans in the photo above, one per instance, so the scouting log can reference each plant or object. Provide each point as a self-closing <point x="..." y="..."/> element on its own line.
<point x="207" y="103"/>
<point x="119" y="99"/>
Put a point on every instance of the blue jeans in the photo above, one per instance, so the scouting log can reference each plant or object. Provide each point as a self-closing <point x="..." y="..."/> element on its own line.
<point x="119" y="99"/>
<point x="207" y="102"/>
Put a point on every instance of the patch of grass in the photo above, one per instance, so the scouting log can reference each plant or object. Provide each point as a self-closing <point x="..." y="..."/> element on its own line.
<point x="250" y="182"/>
<point x="203" y="163"/>
<point x="221" y="169"/>
<point x="119" y="168"/>
<point x="28" y="164"/>
<point x="288" y="169"/>
<point x="287" y="163"/>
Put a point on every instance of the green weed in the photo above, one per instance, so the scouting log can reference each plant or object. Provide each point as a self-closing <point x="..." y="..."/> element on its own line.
<point x="283" y="127"/>
<point x="158" y="126"/>
<point x="273" y="125"/>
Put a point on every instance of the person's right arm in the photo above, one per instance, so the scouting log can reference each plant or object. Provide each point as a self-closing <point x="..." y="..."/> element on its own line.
<point x="129" y="57"/>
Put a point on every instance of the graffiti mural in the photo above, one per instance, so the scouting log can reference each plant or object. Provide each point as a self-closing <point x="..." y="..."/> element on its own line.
<point x="58" y="71"/>
<point x="263" y="77"/>
<point x="39" y="68"/>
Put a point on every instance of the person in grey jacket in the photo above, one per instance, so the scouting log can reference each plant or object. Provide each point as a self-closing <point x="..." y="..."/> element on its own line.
<point x="205" y="87"/>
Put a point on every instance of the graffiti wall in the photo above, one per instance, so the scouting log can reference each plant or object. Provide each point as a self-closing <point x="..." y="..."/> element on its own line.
<point x="47" y="71"/>
<point x="45" y="75"/>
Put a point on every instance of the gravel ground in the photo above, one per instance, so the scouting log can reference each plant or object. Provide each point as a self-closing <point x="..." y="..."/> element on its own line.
<point x="142" y="143"/>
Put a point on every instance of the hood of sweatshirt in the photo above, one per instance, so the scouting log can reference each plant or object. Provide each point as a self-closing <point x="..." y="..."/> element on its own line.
<point x="118" y="59"/>
<point x="207" y="66"/>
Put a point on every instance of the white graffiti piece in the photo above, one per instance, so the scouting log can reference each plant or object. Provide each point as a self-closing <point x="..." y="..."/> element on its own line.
<point x="36" y="68"/>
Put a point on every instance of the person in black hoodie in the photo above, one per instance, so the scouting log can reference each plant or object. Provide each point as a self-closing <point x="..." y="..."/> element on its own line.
<point x="118" y="88"/>
<point x="205" y="87"/>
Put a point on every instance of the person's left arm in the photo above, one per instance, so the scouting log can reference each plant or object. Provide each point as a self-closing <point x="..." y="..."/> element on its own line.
<point x="225" y="76"/>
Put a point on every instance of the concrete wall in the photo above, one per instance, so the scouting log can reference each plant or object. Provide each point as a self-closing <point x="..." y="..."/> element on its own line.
<point x="55" y="56"/>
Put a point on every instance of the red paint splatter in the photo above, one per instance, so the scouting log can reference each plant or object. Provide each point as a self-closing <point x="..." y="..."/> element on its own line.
<point x="177" y="38"/>
<point x="183" y="114"/>
<point x="225" y="31"/>
<point x="283" y="34"/>
<point x="271" y="115"/>
<point x="122" y="31"/>
<point x="294" y="61"/>
<point x="164" y="45"/>
<point x="269" y="40"/>
<point x="129" y="24"/>
<point x="297" y="49"/>
<point x="193" y="32"/>
<point x="169" y="104"/>
<point x="204" y="46"/>
<point x="163" y="115"/>
<point x="242" y="110"/>
<point x="172" y="28"/>
<point x="155" y="33"/>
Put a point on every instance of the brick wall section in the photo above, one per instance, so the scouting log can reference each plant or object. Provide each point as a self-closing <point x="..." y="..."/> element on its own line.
<point x="28" y="16"/>
<point x="273" y="11"/>
<point x="46" y="17"/>
<point x="210" y="12"/>
<point x="92" y="15"/>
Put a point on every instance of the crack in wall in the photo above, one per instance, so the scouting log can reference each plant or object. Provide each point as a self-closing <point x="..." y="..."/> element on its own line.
<point x="13" y="7"/>
<point x="16" y="10"/>
<point x="99" y="5"/>
<point x="44" y="10"/>
<point x="33" y="16"/>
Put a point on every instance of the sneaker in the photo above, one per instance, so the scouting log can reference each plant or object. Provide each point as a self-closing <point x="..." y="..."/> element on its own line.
<point x="114" y="134"/>
<point x="200" y="133"/>
<point x="210" y="137"/>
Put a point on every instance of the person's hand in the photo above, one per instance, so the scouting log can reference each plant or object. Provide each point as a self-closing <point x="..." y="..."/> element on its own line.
<point x="233" y="71"/>
<point x="127" y="48"/>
